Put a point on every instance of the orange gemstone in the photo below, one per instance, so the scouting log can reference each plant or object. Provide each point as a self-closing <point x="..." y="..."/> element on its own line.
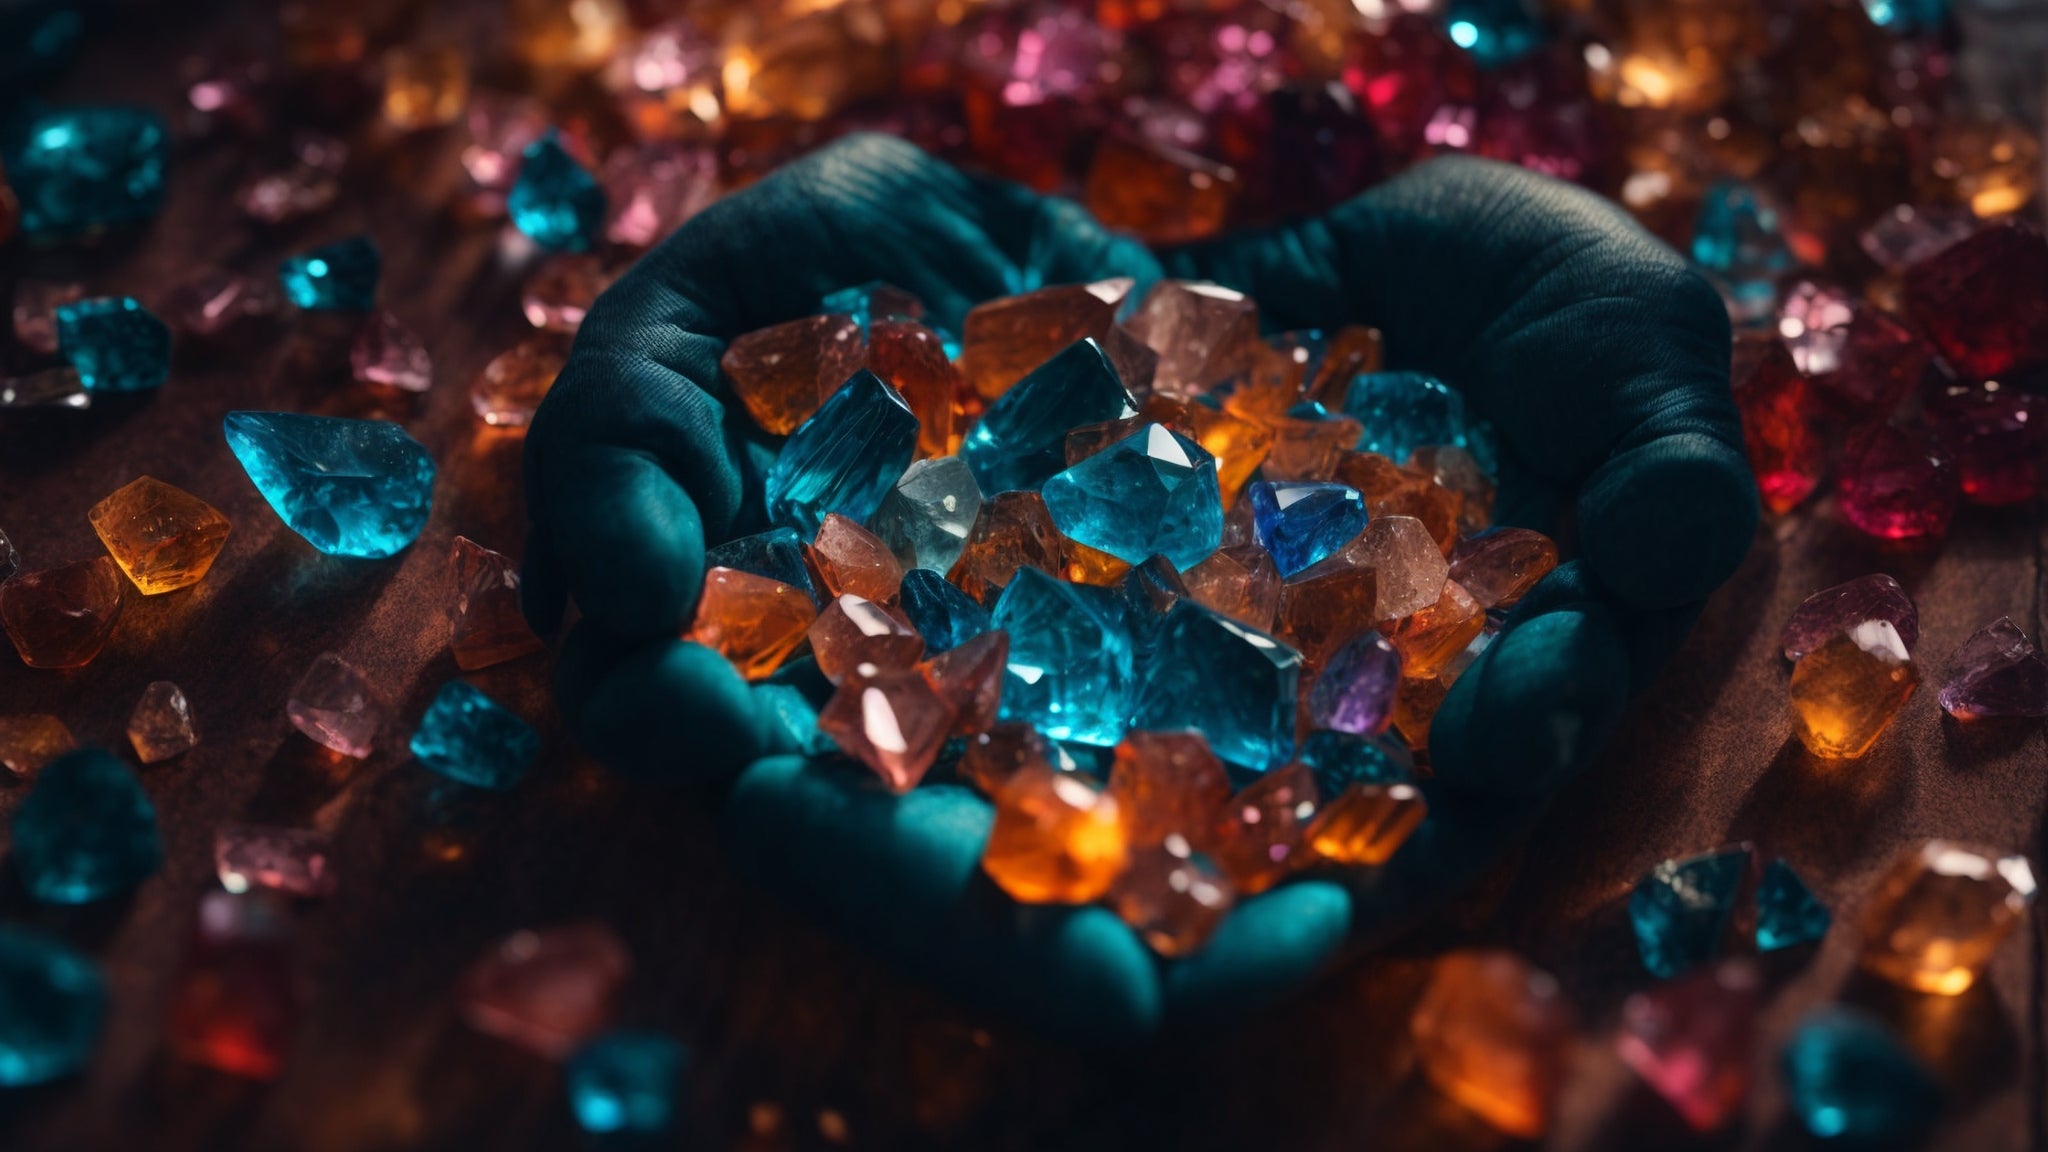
<point x="1309" y="449"/>
<point x="1415" y="705"/>
<point x="1057" y="838"/>
<point x="425" y="86"/>
<point x="803" y="63"/>
<point x="1500" y="566"/>
<point x="1431" y="638"/>
<point x="1367" y="823"/>
<point x="1167" y="783"/>
<point x="1261" y="834"/>
<point x="970" y="678"/>
<point x="1004" y="339"/>
<point x="1271" y="384"/>
<point x="1939" y="914"/>
<point x="783" y="373"/>
<point x="1352" y="351"/>
<point x="1163" y="194"/>
<point x="1081" y="564"/>
<point x="1391" y="490"/>
<point x="29" y="742"/>
<point x="1239" y="581"/>
<point x="1494" y="1034"/>
<point x="510" y="388"/>
<point x="164" y="538"/>
<point x="1408" y="568"/>
<point x="912" y="358"/>
<point x="61" y="617"/>
<point x="892" y="720"/>
<point x="580" y="35"/>
<point x="753" y="621"/>
<point x="1847" y="692"/>
<point x="847" y="558"/>
<point x="851" y="631"/>
<point x="992" y="757"/>
<point x="1204" y="334"/>
<point x="489" y="627"/>
<point x="1239" y="446"/>
<point x="1326" y="609"/>
<point x="161" y="725"/>
<point x="1455" y="469"/>
<point x="1013" y="531"/>
<point x="1172" y="896"/>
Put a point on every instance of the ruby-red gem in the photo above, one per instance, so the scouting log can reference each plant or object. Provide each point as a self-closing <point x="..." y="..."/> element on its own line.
<point x="1777" y="423"/>
<point x="1997" y="439"/>
<point x="1984" y="301"/>
<point x="1897" y="483"/>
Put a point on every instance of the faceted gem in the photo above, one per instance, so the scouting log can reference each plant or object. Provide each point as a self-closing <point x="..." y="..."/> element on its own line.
<point x="500" y="125"/>
<point x="1787" y="912"/>
<point x="1150" y="590"/>
<point x="891" y="719"/>
<point x="941" y="613"/>
<point x="1204" y="334"/>
<point x="1020" y="442"/>
<point x="472" y="739"/>
<point x="1355" y="691"/>
<point x="777" y="554"/>
<point x="1003" y="340"/>
<point x="1261" y="835"/>
<point x="35" y="311"/>
<point x="53" y="1000"/>
<point x="236" y="1003"/>
<point x="1878" y="361"/>
<point x="163" y="537"/>
<point x="27" y="743"/>
<point x="560" y="292"/>
<point x="510" y="388"/>
<point x="1690" y="1041"/>
<point x="783" y="373"/>
<point x="753" y="621"/>
<point x="546" y="990"/>
<point x="1339" y="760"/>
<point x="845" y="458"/>
<point x="1326" y="608"/>
<point x="1300" y="524"/>
<point x="1367" y="823"/>
<point x="1404" y="411"/>
<point x="1682" y="908"/>
<point x="1057" y="838"/>
<point x="627" y="1081"/>
<point x="1430" y="639"/>
<point x="305" y="184"/>
<point x="1166" y="784"/>
<point x="927" y="515"/>
<point x="335" y="707"/>
<point x="1846" y="692"/>
<point x="489" y="626"/>
<point x="850" y="632"/>
<point x="213" y="300"/>
<point x="115" y="343"/>
<point x="1737" y="241"/>
<point x="992" y="757"/>
<point x="912" y="358"/>
<point x="1939" y="914"/>
<point x="1408" y="569"/>
<point x="294" y="861"/>
<point x="1013" y="531"/>
<point x="652" y="190"/>
<point x="350" y="487"/>
<point x="1070" y="672"/>
<point x="1152" y="493"/>
<point x="1997" y="672"/>
<point x="556" y="200"/>
<point x="970" y="678"/>
<point x="61" y="617"/>
<point x="50" y="388"/>
<point x="1832" y="611"/>
<point x="1308" y="442"/>
<point x="86" y="831"/>
<point x="1498" y="566"/>
<point x="81" y="170"/>
<point x="337" y="277"/>
<point x="1997" y="440"/>
<point x="1494" y="1034"/>
<point x="1241" y="582"/>
<point x="1851" y="1082"/>
<point x="387" y="353"/>
<point x="1236" y="685"/>
<point x="425" y="86"/>
<point x="161" y="725"/>
<point x="850" y="559"/>
<point x="1172" y="896"/>
<point x="1163" y="194"/>
<point x="1391" y="490"/>
<point x="1984" y="301"/>
<point x="875" y="300"/>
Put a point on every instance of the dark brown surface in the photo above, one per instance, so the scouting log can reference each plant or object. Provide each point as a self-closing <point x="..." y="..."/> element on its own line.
<point x="786" y="1021"/>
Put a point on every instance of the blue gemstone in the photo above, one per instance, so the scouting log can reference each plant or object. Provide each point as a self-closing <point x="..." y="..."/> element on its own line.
<point x="944" y="615"/>
<point x="350" y="487"/>
<point x="1494" y="32"/>
<point x="52" y="999"/>
<point x="928" y="512"/>
<point x="1303" y="523"/>
<point x="1403" y="411"/>
<point x="1148" y="592"/>
<point x="794" y="717"/>
<point x="87" y="831"/>
<point x="1021" y="441"/>
<point x="777" y="554"/>
<point x="1680" y="910"/>
<point x="1239" y="686"/>
<point x="845" y="458"/>
<point x="1852" y="1083"/>
<point x="1340" y="759"/>
<point x="627" y="1081"/>
<point x="1087" y="759"/>
<point x="1787" y="912"/>
<point x="80" y="170"/>
<point x="115" y="343"/>
<point x="1069" y="674"/>
<point x="1738" y="242"/>
<point x="556" y="200"/>
<point x="470" y="738"/>
<point x="337" y="277"/>
<point x="1907" y="17"/>
<point x="874" y="300"/>
<point x="1152" y="493"/>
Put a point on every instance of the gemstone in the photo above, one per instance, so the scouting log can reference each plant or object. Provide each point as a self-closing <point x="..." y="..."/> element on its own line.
<point x="1152" y="493"/>
<point x="1004" y="340"/>
<point x="992" y="757"/>
<point x="1241" y="582"/>
<point x="294" y="861"/>
<point x="652" y="190"/>
<point x="941" y="613"/>
<point x="1057" y="838"/>
<point x="777" y="554"/>
<point x="845" y="458"/>
<point x="1984" y="301"/>
<point x="500" y="125"/>
<point x="1239" y="446"/>
<point x="1326" y="608"/>
<point x="61" y="617"/>
<point x="350" y="487"/>
<point x="1939" y="914"/>
<point x="1681" y="909"/>
<point x="334" y="705"/>
<point x="28" y="743"/>
<point x="970" y="677"/>
<point x="161" y="726"/>
<point x="926" y="516"/>
<point x="162" y="537"/>
<point x="425" y="86"/>
<point x="784" y="372"/>
<point x="559" y="293"/>
<point x="891" y="719"/>
<point x="1020" y="442"/>
<point x="555" y="200"/>
<point x="306" y="183"/>
<point x="1013" y="531"/>
<point x="851" y="632"/>
<point x="627" y="1081"/>
<point x="1739" y="243"/>
<point x="1851" y="1082"/>
<point x="1204" y="334"/>
<point x="1301" y="524"/>
<point x="1690" y="1041"/>
<point x="337" y="277"/>
<point x="1163" y="194"/>
<point x="1430" y="639"/>
<point x="912" y="358"/>
<point x="1907" y="235"/>
<point x="547" y="990"/>
<point x="1355" y="691"/>
<point x="1997" y="440"/>
<point x="872" y="301"/>
<point x="1788" y="914"/>
<point x="472" y="739"/>
<point x="1308" y="443"/>
<point x="1457" y="470"/>
<point x="1896" y="484"/>
<point x="1997" y="672"/>
<point x="512" y="385"/>
<point x="1404" y="411"/>
<point x="35" y="311"/>
<point x="1172" y="896"/>
<point x="115" y="343"/>
<point x="1497" y="567"/>
<point x="212" y="300"/>
<point x="1391" y="490"/>
<point x="1847" y="692"/>
<point x="1831" y="611"/>
<point x="1167" y="784"/>
<point x="1261" y="836"/>
<point x="1877" y="363"/>
<point x="849" y="558"/>
<point x="753" y="621"/>
<point x="1339" y="760"/>
<point x="1081" y="564"/>
<point x="236" y="1002"/>
<point x="86" y="831"/>
<point x="1070" y="672"/>
<point x="53" y="1000"/>
<point x="1237" y="685"/>
<point x="1494" y="1034"/>
<point x="1367" y="823"/>
<point x="489" y="627"/>
<point x="81" y="170"/>
<point x="1408" y="568"/>
<point x="49" y="388"/>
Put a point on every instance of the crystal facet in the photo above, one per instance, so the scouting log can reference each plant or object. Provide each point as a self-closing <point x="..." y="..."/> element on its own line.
<point x="1851" y="1082"/>
<point x="1166" y="784"/>
<point x="777" y="554"/>
<point x="1151" y="494"/>
<point x="783" y="373"/>
<point x="1788" y="914"/>
<point x="851" y="632"/>
<point x="970" y="678"/>
<point x="86" y="831"/>
<point x="1301" y="524"/>
<point x="1681" y="910"/>
<point x="941" y="613"/>
<point x="848" y="558"/>
<point x="115" y="343"/>
<point x="161" y="725"/>
<point x="555" y="200"/>
<point x="163" y="537"/>
<point x="1004" y="340"/>
<point x="1404" y="411"/>
<point x="1240" y="581"/>
<point x="489" y="626"/>
<point x="1494" y="1034"/>
<point x="387" y="353"/>
<point x="335" y="707"/>
<point x="1204" y="334"/>
<point x="927" y="514"/>
<point x="546" y="990"/>
<point x="53" y="1000"/>
<point x="1057" y="838"/>
<point x="29" y="742"/>
<point x="753" y="621"/>
<point x="1896" y="484"/>
<point x="1236" y="685"/>
<point x="470" y="738"/>
<point x="1498" y="566"/>
<point x="1367" y="823"/>
<point x="1939" y="914"/>
<point x="559" y="293"/>
<point x="337" y="277"/>
<point x="1172" y="896"/>
<point x="1785" y="451"/>
<point x="891" y="719"/>
<point x="294" y="861"/>
<point x="511" y="386"/>
<point x="61" y="617"/>
<point x="845" y="458"/>
<point x="1690" y="1041"/>
<point x="1831" y="611"/>
<point x="350" y="487"/>
<point x="1020" y="441"/>
<point x="1355" y="691"/>
<point x="1261" y="836"/>
<point x="81" y="170"/>
<point x="1070" y="672"/>
<point x="1984" y="301"/>
<point x="1997" y="672"/>
<point x="1846" y="692"/>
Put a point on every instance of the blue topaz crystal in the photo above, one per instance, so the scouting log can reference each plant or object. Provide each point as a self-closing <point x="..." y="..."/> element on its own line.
<point x="337" y="277"/>
<point x="1340" y="759"/>
<point x="1152" y="493"/>
<point x="1738" y="242"/>
<point x="52" y="999"/>
<point x="1239" y="686"/>
<point x="80" y="170"/>
<point x="1403" y="411"/>
<point x="1069" y="674"/>
<point x="1301" y="523"/>
<point x="1680" y="910"/>
<point x="350" y="487"/>
<point x="1021" y="441"/>
<point x="844" y="458"/>
<point x="627" y="1081"/>
<point x="115" y="343"/>
<point x="556" y="200"/>
<point x="944" y="615"/>
<point x="87" y="831"/>
<point x="471" y="738"/>
<point x="1787" y="912"/>
<point x="777" y="554"/>
<point x="1852" y="1083"/>
<point x="927" y="514"/>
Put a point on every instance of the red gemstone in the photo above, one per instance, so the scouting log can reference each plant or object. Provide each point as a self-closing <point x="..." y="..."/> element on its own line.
<point x="237" y="1004"/>
<point x="1876" y="364"/>
<point x="1997" y="437"/>
<point x="1538" y="114"/>
<point x="1777" y="422"/>
<point x="1984" y="301"/>
<point x="1897" y="484"/>
<point x="1690" y="1040"/>
<point x="1405" y="75"/>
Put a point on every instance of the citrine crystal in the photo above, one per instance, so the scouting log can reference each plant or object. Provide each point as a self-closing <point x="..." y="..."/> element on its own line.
<point x="912" y="358"/>
<point x="1166" y="784"/>
<point x="777" y="554"/>
<point x="753" y="621"/>
<point x="349" y="487"/>
<point x="1940" y="912"/>
<point x="547" y="990"/>
<point x="1058" y="838"/>
<point x="163" y="537"/>
<point x="86" y="831"/>
<point x="470" y="738"/>
<point x="891" y="719"/>
<point x="425" y="86"/>
<point x="1164" y="194"/>
<point x="1430" y="639"/>
<point x="1367" y="823"/>
<point x="61" y="617"/>
<point x="1846" y="692"/>
<point x="1172" y="896"/>
<point x="782" y="373"/>
<point x="161" y="725"/>
<point x="1494" y="1034"/>
<point x="29" y="742"/>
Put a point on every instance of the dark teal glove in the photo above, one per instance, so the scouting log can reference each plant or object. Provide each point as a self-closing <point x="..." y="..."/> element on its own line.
<point x="1600" y="358"/>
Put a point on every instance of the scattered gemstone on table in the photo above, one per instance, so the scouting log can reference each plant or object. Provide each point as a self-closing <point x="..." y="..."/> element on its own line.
<point x="86" y="831"/>
<point x="1847" y="692"/>
<point x="559" y="293"/>
<point x="1997" y="672"/>
<point x="1691" y="1040"/>
<point x="349" y="487"/>
<point x="1785" y="449"/>
<point x="555" y="200"/>
<point x="82" y="170"/>
<point x="1058" y="838"/>
<point x="1997" y="438"/>
<point x="115" y="343"/>
<point x="53" y="1000"/>
<point x="163" y="537"/>
<point x="1938" y="915"/>
<point x="1172" y="896"/>
<point x="1494" y="1034"/>
<point x="334" y="705"/>
<point x="1832" y="611"/>
<point x="387" y="353"/>
<point x="161" y="725"/>
<point x="891" y="719"/>
<point x="1680" y="911"/>
<point x="472" y="739"/>
<point x="1788" y="914"/>
<point x="237" y="1002"/>
<point x="29" y="742"/>
<point x="213" y="300"/>
<point x="511" y="386"/>
<point x="754" y="621"/>
<point x="337" y="277"/>
<point x="627" y="1081"/>
<point x="1851" y="1082"/>
<point x="294" y="861"/>
<point x="489" y="627"/>
<point x="61" y="617"/>
<point x="845" y="458"/>
<point x="35" y="311"/>
<point x="546" y="990"/>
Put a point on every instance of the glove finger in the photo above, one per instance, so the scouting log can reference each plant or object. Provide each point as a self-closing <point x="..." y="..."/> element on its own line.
<point x="628" y="538"/>
<point x="666" y="708"/>
<point x="1268" y="949"/>
<point x="1460" y="838"/>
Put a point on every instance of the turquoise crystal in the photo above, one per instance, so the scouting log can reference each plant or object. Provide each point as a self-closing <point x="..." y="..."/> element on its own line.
<point x="927" y="514"/>
<point x="1069" y="673"/>
<point x="1403" y="411"/>
<point x="627" y="1081"/>
<point x="337" y="277"/>
<point x="52" y="1000"/>
<point x="1238" y="685"/>
<point x="350" y="487"/>
<point x="1021" y="441"/>
<point x="1739" y="243"/>
<point x="1340" y="759"/>
<point x="1787" y="912"/>
<point x="1153" y="493"/>
<point x="794" y="716"/>
<point x="80" y="170"/>
<point x="87" y="831"/>
<point x="556" y="200"/>
<point x="844" y="458"/>
<point x="777" y="554"/>
<point x="471" y="738"/>
<point x="1301" y="523"/>
<point x="944" y="615"/>
<point x="872" y="301"/>
<point x="1494" y="32"/>
<point x="1680" y="910"/>
<point x="1852" y="1083"/>
<point x="115" y="343"/>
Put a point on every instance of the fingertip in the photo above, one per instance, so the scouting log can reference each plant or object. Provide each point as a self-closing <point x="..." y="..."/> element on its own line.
<point x="628" y="539"/>
<point x="672" y="709"/>
<point x="1266" y="950"/>
<point x="1664" y="523"/>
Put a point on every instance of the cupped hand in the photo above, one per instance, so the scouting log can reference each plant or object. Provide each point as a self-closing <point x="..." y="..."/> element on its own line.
<point x="1602" y="361"/>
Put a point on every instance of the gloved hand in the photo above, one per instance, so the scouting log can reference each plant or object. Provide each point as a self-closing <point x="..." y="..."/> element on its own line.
<point x="1600" y="358"/>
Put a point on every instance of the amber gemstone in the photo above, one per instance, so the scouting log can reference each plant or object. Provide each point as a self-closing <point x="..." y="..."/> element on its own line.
<point x="510" y="388"/>
<point x="753" y="621"/>
<point x="549" y="34"/>
<point x="1013" y="531"/>
<point x="1415" y="705"/>
<point x="425" y="86"/>
<point x="891" y="719"/>
<point x="1167" y="783"/>
<point x="1495" y="1034"/>
<point x="1327" y="608"/>
<point x="489" y="626"/>
<point x="970" y="678"/>
<point x="1307" y="449"/>
<point x="1498" y="567"/>
<point x="1172" y="896"/>
<point x="1261" y="835"/>
<point x="1940" y="912"/>
<point x="1429" y="639"/>
<point x="1241" y="582"/>
<point x="1367" y="823"/>
<point x="61" y="617"/>
<point x="161" y="726"/>
<point x="1163" y="194"/>
<point x="1456" y="470"/>
<point x="847" y="558"/>
<point x="1081" y="564"/>
<point x="1847" y="692"/>
<point x="992" y="757"/>
<point x="29" y="742"/>
<point x="1352" y="351"/>
<point x="851" y="631"/>
<point x="1391" y="490"/>
<point x="165" y="538"/>
<point x="1058" y="838"/>
<point x="1004" y="339"/>
<point x="783" y="373"/>
<point x="912" y="358"/>
<point x="1238" y="445"/>
<point x="1204" y="334"/>
<point x="560" y="292"/>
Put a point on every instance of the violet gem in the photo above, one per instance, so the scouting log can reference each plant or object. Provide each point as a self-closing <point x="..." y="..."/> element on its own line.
<point x="1356" y="691"/>
<point x="1996" y="672"/>
<point x="1832" y="611"/>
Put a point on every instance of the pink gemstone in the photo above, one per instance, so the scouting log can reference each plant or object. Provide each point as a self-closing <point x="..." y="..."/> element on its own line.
<point x="1997" y="437"/>
<point x="852" y="631"/>
<point x="334" y="705"/>
<point x="501" y="125"/>
<point x="546" y="990"/>
<point x="237" y="1001"/>
<point x="1690" y="1041"/>
<point x="1984" y="301"/>
<point x="1997" y="672"/>
<point x="234" y="92"/>
<point x="1038" y="52"/>
<point x="1876" y="362"/>
<point x="559" y="293"/>
<point x="305" y="184"/>
<point x="389" y="354"/>
<point x="1907" y="235"/>
<point x="35" y="311"/>
<point x="970" y="679"/>
<point x="212" y="300"/>
<point x="670" y="57"/>
<point x="651" y="190"/>
<point x="1405" y="75"/>
<point x="1897" y="484"/>
<point x="1814" y="323"/>
<point x="509" y="390"/>
<point x="1832" y="611"/>
<point x="892" y="720"/>
<point x="294" y="861"/>
<point x="489" y="626"/>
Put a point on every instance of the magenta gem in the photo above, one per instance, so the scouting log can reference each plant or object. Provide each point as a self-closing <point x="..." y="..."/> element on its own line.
<point x="1690" y="1040"/>
<point x="1997" y="437"/>
<point x="1984" y="301"/>
<point x="1896" y="484"/>
<point x="652" y="190"/>
<point x="1405" y="75"/>
<point x="1355" y="692"/>
<point x="387" y="353"/>
<point x="1538" y="114"/>
<point x="1996" y="672"/>
<point x="1320" y="148"/>
<point x="295" y="861"/>
<point x="1877" y="363"/>
<point x="1832" y="611"/>
<point x="501" y="125"/>
<point x="1033" y="53"/>
<point x="210" y="301"/>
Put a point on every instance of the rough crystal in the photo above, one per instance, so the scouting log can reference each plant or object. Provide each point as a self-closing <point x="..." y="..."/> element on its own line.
<point x="1004" y="340"/>
<point x="1152" y="493"/>
<point x="845" y="458"/>
<point x="1166" y="784"/>
<point x="941" y="613"/>
<point x="555" y="200"/>
<point x="970" y="678"/>
<point x="86" y="831"/>
<point x="1494" y="1034"/>
<point x="851" y="632"/>
<point x="1020" y="442"/>
<point x="849" y="558"/>
<point x="627" y="1082"/>
<point x="294" y="861"/>
<point x="334" y="705"/>
<point x="1057" y="838"/>
<point x="1499" y="566"/>
<point x="927" y="515"/>
<point x="1847" y="692"/>
<point x="1163" y="194"/>
<point x="61" y="617"/>
<point x="1997" y="438"/>
<point x="1261" y="836"/>
<point x="1690" y="1041"/>
<point x="1172" y="896"/>
<point x="53" y="1000"/>
<point x="784" y="372"/>
<point x="753" y="621"/>
<point x="546" y="990"/>
<point x="472" y="739"/>
<point x="511" y="386"/>
<point x="1240" y="581"/>
<point x="777" y="554"/>
<point x="1070" y="670"/>
<point x="84" y="169"/>
<point x="29" y="742"/>
<point x="350" y="487"/>
<point x="1237" y="685"/>
<point x="1367" y="823"/>
<point x="891" y="719"/>
<point x="1355" y="691"/>
<point x="1738" y="243"/>
<point x="1014" y="531"/>
<point x="1408" y="569"/>
<point x="337" y="277"/>
<point x="1787" y="912"/>
<point x="992" y="757"/>
<point x="1851" y="1082"/>
<point x="489" y="627"/>
<point x="387" y="353"/>
<point x="1301" y="524"/>
<point x="1430" y="639"/>
<point x="651" y="191"/>
<point x="1832" y="611"/>
<point x="1404" y="411"/>
<point x="1984" y="301"/>
<point x="559" y="293"/>
<point x="163" y="537"/>
<point x="161" y="725"/>
<point x="1339" y="760"/>
<point x="1939" y="914"/>
<point x="1997" y="672"/>
<point x="1681" y="909"/>
<point x="115" y="343"/>
<point x="1204" y="334"/>
<point x="912" y="358"/>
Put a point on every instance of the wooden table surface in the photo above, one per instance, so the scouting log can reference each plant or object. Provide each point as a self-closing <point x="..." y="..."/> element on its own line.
<point x="802" y="1039"/>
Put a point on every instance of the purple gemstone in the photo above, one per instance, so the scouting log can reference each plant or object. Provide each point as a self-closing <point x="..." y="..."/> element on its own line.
<point x="1355" y="693"/>
<point x="1832" y="611"/>
<point x="1996" y="673"/>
